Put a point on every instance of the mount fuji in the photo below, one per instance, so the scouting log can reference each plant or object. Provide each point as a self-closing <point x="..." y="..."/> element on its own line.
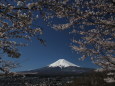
<point x="62" y="63"/>
<point x="60" y="67"/>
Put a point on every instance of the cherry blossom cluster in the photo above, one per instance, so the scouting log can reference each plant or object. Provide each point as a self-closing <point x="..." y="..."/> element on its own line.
<point x="94" y="20"/>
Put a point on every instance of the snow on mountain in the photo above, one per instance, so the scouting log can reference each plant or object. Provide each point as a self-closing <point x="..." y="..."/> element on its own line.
<point x="60" y="67"/>
<point x="62" y="63"/>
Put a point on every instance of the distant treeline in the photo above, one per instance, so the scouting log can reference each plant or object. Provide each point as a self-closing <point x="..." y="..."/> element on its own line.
<point x="86" y="79"/>
<point x="91" y="79"/>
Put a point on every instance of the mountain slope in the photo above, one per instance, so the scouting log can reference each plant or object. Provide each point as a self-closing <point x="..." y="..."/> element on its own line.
<point x="62" y="63"/>
<point x="60" y="67"/>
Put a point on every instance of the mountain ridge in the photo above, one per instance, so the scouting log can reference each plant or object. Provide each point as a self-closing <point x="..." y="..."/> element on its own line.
<point x="60" y="67"/>
<point x="62" y="63"/>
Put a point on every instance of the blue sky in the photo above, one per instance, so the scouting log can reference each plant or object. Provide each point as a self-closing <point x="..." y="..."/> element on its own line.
<point x="36" y="55"/>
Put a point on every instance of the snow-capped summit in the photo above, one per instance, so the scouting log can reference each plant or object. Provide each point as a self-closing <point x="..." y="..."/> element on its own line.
<point x="60" y="67"/>
<point x="62" y="63"/>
